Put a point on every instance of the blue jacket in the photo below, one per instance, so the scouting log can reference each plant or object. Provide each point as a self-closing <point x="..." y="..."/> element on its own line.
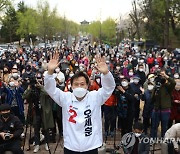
<point x="18" y="96"/>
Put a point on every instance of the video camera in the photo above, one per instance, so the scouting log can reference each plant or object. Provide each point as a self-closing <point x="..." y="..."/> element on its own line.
<point x="159" y="80"/>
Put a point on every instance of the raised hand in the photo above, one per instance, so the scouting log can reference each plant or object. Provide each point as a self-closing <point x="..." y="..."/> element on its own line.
<point x="101" y="65"/>
<point x="53" y="63"/>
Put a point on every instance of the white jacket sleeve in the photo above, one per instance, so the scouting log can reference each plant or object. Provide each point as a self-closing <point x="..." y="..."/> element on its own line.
<point x="172" y="134"/>
<point x="55" y="93"/>
<point x="108" y="86"/>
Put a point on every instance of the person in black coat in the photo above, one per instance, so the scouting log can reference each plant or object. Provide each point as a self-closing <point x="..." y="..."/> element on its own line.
<point x="125" y="107"/>
<point x="148" y="105"/>
<point x="141" y="74"/>
<point x="136" y="92"/>
<point x="11" y="129"/>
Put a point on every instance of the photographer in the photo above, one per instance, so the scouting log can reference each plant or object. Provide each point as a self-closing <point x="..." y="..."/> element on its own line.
<point x="40" y="105"/>
<point x="162" y="103"/>
<point x="10" y="131"/>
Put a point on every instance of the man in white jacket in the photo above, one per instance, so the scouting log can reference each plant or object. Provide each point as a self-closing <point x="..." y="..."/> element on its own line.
<point x="82" y="122"/>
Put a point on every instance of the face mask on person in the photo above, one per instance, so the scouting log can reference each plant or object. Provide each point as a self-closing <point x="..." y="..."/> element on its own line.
<point x="165" y="58"/>
<point x="18" y="61"/>
<point x="71" y="74"/>
<point x="156" y="66"/>
<point x="136" y="81"/>
<point x="79" y="92"/>
<point x="124" y="83"/>
<point x="11" y="84"/>
<point x="151" y="79"/>
<point x="131" y="73"/>
<point x="137" y="134"/>
<point x="150" y="87"/>
<point x="176" y="76"/>
<point x="57" y="70"/>
<point x="76" y="64"/>
<point x="6" y="115"/>
<point x="141" y="61"/>
<point x="141" y="70"/>
<point x="177" y="87"/>
<point x="15" y="75"/>
<point x="118" y="68"/>
<point x="131" y="80"/>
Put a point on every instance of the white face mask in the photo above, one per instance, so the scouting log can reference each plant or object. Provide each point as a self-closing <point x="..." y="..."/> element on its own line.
<point x="118" y="68"/>
<point x="70" y="75"/>
<point x="76" y="64"/>
<point x="15" y="75"/>
<point x="131" y="73"/>
<point x="57" y="70"/>
<point x="136" y="81"/>
<point x="156" y="66"/>
<point x="17" y="61"/>
<point x="150" y="87"/>
<point x="151" y="79"/>
<point x="141" y="70"/>
<point x="137" y="134"/>
<point x="11" y="83"/>
<point x="141" y="61"/>
<point x="131" y="80"/>
<point x="79" y="92"/>
<point x="124" y="83"/>
<point x="81" y="68"/>
<point x="176" y="76"/>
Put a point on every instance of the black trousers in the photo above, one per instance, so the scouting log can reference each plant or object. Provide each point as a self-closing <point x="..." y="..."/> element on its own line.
<point x="110" y="118"/>
<point x="13" y="146"/>
<point x="146" y="123"/>
<point x="94" y="151"/>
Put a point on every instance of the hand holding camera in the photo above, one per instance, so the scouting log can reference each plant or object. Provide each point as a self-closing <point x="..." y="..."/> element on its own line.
<point x="6" y="136"/>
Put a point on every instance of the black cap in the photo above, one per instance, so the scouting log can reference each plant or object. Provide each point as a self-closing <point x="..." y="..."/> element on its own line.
<point x="4" y="107"/>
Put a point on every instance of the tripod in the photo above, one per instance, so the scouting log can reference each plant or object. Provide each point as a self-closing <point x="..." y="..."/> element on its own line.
<point x="28" y="121"/>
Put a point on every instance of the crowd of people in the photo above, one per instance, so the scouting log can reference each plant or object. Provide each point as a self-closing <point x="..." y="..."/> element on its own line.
<point x="148" y="76"/>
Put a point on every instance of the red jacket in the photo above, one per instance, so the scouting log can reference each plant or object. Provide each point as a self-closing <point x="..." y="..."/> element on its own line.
<point x="160" y="61"/>
<point x="150" y="60"/>
<point x="112" y="101"/>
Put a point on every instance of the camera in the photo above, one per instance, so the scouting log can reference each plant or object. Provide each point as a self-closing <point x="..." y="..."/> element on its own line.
<point x="7" y="136"/>
<point x="159" y="80"/>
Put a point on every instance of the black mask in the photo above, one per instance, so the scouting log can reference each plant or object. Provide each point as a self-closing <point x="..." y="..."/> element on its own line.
<point x="6" y="115"/>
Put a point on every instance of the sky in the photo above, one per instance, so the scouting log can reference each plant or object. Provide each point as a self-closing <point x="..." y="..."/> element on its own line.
<point x="90" y="10"/>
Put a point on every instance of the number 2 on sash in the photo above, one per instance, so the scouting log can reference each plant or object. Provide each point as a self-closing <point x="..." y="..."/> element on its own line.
<point x="74" y="114"/>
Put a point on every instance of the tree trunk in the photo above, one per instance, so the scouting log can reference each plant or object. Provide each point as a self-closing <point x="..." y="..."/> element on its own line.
<point x="166" y="26"/>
